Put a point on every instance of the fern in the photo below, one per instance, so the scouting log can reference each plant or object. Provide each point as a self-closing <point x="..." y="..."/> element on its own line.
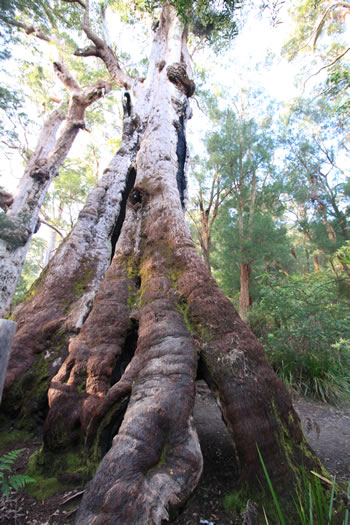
<point x="16" y="481"/>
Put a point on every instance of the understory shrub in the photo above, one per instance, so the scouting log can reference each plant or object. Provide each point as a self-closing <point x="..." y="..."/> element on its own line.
<point x="304" y="324"/>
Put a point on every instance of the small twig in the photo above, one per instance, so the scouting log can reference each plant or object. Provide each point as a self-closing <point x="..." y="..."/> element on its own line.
<point x="52" y="226"/>
<point x="71" y="512"/>
<point x="73" y="496"/>
<point x="331" y="483"/>
<point x="326" y="66"/>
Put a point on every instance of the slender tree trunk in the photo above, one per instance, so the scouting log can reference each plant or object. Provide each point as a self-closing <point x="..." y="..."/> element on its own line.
<point x="50" y="248"/>
<point x="51" y="245"/>
<point x="21" y="220"/>
<point x="123" y="396"/>
<point x="316" y="265"/>
<point x="7" y="331"/>
<point x="244" y="296"/>
<point x="205" y="245"/>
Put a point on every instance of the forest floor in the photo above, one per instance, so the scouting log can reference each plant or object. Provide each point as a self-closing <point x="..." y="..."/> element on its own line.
<point x="327" y="429"/>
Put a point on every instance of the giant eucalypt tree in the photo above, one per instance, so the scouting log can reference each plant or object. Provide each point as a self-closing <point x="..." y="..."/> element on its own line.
<point x="126" y="317"/>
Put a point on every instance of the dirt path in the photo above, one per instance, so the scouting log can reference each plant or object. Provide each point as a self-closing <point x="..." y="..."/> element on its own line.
<point x="327" y="429"/>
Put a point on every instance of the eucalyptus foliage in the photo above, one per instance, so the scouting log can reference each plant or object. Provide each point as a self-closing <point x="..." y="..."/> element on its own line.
<point x="304" y="325"/>
<point x="213" y="21"/>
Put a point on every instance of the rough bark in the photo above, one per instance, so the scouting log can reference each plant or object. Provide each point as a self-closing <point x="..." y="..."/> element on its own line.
<point x="57" y="305"/>
<point x="124" y="393"/>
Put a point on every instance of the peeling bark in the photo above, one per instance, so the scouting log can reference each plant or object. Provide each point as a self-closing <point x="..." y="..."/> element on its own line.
<point x="244" y="296"/>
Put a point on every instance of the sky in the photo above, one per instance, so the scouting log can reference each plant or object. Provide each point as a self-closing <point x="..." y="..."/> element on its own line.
<point x="246" y="63"/>
<point x="276" y="80"/>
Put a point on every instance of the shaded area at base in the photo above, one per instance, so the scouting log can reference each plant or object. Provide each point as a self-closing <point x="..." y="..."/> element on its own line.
<point x="220" y="467"/>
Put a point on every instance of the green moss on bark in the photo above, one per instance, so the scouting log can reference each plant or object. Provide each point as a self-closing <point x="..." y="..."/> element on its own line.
<point x="27" y="399"/>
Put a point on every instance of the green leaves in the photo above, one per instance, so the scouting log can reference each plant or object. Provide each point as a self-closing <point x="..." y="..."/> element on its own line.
<point x="16" y="481"/>
<point x="213" y="22"/>
<point x="305" y="327"/>
<point x="315" y="504"/>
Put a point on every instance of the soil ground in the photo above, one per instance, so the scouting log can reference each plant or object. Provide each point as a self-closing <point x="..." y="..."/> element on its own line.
<point x="327" y="428"/>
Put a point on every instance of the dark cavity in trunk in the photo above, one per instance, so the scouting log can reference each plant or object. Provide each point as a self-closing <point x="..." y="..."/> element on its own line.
<point x="130" y="181"/>
<point x="127" y="353"/>
<point x="112" y="429"/>
<point x="181" y="152"/>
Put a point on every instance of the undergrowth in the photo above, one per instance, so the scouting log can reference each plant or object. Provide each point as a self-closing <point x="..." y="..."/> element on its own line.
<point x="304" y="325"/>
<point x="315" y="505"/>
<point x="7" y="479"/>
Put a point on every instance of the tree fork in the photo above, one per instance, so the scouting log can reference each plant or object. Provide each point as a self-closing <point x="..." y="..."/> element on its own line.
<point x="60" y="301"/>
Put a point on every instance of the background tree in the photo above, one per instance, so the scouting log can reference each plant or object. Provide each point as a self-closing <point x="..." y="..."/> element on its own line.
<point x="205" y="205"/>
<point x="314" y="147"/>
<point x="242" y="153"/>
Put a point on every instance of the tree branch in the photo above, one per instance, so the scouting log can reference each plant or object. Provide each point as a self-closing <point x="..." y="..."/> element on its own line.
<point x="80" y="2"/>
<point x="324" y="16"/>
<point x="66" y="77"/>
<point x="101" y="50"/>
<point x="327" y="66"/>
<point x="89" y="51"/>
<point x="196" y="228"/>
<point x="29" y="30"/>
<point x="52" y="227"/>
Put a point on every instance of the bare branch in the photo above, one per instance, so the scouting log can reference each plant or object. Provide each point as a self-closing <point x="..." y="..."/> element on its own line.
<point x="52" y="227"/>
<point x="324" y="16"/>
<point x="80" y="2"/>
<point x="66" y="77"/>
<point x="28" y="29"/>
<point x="226" y="194"/>
<point x="196" y="227"/>
<point x="326" y="66"/>
<point x="103" y="51"/>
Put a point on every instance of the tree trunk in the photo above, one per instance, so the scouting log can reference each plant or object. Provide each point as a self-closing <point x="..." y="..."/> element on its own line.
<point x="244" y="296"/>
<point x="7" y="332"/>
<point x="59" y="302"/>
<point x="316" y="265"/>
<point x="124" y="395"/>
<point x="21" y="220"/>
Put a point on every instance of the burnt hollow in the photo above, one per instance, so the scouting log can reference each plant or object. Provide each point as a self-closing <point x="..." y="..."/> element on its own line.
<point x="202" y="370"/>
<point x="130" y="181"/>
<point x="181" y="152"/>
<point x="127" y="103"/>
<point x="127" y="353"/>
<point x="111" y="430"/>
